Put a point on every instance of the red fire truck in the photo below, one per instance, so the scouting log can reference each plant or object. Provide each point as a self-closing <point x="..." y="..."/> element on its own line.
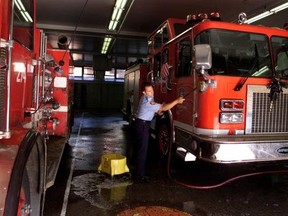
<point x="34" y="110"/>
<point x="234" y="78"/>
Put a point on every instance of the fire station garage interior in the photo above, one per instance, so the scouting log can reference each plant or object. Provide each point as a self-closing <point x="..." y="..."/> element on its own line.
<point x="106" y="39"/>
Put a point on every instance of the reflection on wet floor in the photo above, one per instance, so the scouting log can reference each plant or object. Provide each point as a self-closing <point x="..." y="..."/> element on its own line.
<point x="101" y="190"/>
<point x="97" y="193"/>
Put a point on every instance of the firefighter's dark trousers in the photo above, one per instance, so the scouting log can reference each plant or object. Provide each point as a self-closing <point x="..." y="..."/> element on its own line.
<point x="142" y="129"/>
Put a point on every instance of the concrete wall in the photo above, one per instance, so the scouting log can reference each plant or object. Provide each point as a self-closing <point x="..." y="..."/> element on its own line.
<point x="98" y="95"/>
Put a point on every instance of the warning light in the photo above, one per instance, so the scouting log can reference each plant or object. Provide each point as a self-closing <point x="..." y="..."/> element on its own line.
<point x="193" y="18"/>
<point x="215" y="16"/>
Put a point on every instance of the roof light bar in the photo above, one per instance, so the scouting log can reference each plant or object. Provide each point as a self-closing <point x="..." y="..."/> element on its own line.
<point x="267" y="13"/>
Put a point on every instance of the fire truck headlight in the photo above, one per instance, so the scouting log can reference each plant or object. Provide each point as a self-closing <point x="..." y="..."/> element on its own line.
<point x="231" y="118"/>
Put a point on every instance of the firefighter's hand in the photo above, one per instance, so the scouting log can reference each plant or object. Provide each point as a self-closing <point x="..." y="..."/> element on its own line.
<point x="180" y="100"/>
<point x="160" y="113"/>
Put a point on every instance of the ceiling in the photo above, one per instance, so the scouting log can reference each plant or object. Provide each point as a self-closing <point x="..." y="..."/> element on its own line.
<point x="85" y="22"/>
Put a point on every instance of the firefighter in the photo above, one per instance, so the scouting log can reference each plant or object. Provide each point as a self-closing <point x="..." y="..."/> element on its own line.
<point x="146" y="110"/>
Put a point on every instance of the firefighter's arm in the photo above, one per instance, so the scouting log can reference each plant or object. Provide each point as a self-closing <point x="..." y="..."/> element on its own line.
<point x="168" y="106"/>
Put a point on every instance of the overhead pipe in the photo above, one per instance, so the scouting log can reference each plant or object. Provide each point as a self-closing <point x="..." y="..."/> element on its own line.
<point x="63" y="42"/>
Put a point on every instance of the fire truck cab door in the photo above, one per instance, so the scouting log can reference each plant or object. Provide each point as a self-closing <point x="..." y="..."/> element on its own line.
<point x="185" y="79"/>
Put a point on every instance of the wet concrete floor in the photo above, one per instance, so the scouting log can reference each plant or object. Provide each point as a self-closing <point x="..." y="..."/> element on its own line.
<point x="81" y="190"/>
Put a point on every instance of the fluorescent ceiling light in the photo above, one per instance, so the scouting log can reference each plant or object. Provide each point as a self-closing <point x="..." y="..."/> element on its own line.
<point x="26" y="14"/>
<point x="267" y="13"/>
<point x="23" y="11"/>
<point x="106" y="44"/>
<point x="116" y="15"/>
<point x="20" y="5"/>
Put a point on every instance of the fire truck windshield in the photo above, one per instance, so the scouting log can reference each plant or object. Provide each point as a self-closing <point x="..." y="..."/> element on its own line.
<point x="237" y="53"/>
<point x="280" y="55"/>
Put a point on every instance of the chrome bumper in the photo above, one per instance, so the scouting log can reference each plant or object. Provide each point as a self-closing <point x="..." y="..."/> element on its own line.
<point x="238" y="149"/>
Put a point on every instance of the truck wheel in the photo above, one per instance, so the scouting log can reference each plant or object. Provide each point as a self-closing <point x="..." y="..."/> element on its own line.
<point x="163" y="138"/>
<point x="26" y="191"/>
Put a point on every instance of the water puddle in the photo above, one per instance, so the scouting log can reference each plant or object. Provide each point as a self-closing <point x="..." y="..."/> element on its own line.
<point x="101" y="190"/>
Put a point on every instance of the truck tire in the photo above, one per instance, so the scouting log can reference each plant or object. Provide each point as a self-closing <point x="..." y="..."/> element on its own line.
<point x="163" y="135"/>
<point x="26" y="191"/>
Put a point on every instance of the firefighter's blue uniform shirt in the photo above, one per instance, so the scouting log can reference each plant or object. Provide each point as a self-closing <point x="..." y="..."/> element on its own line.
<point x="147" y="108"/>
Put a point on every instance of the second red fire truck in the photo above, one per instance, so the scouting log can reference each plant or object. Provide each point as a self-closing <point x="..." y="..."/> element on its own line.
<point x="234" y="79"/>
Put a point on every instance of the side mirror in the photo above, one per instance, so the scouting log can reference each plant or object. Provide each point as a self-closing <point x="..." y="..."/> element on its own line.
<point x="150" y="77"/>
<point x="203" y="57"/>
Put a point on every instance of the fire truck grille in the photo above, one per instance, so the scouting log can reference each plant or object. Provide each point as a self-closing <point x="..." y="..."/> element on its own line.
<point x="262" y="117"/>
<point x="2" y="86"/>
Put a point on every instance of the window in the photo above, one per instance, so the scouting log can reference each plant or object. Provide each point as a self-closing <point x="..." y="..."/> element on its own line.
<point x="71" y="72"/>
<point x="165" y="55"/>
<point x="109" y="75"/>
<point x="165" y="67"/>
<point x="77" y="71"/>
<point x="77" y="57"/>
<point x="120" y="73"/>
<point x="132" y="60"/>
<point x="114" y="75"/>
<point x="165" y="35"/>
<point x="184" y="57"/>
<point x="161" y="37"/>
<point x="88" y="73"/>
<point x="280" y="55"/>
<point x="158" y="39"/>
<point x="157" y="66"/>
<point x="150" y="46"/>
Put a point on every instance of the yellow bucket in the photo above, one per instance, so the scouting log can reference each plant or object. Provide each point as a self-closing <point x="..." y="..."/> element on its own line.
<point x="113" y="164"/>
